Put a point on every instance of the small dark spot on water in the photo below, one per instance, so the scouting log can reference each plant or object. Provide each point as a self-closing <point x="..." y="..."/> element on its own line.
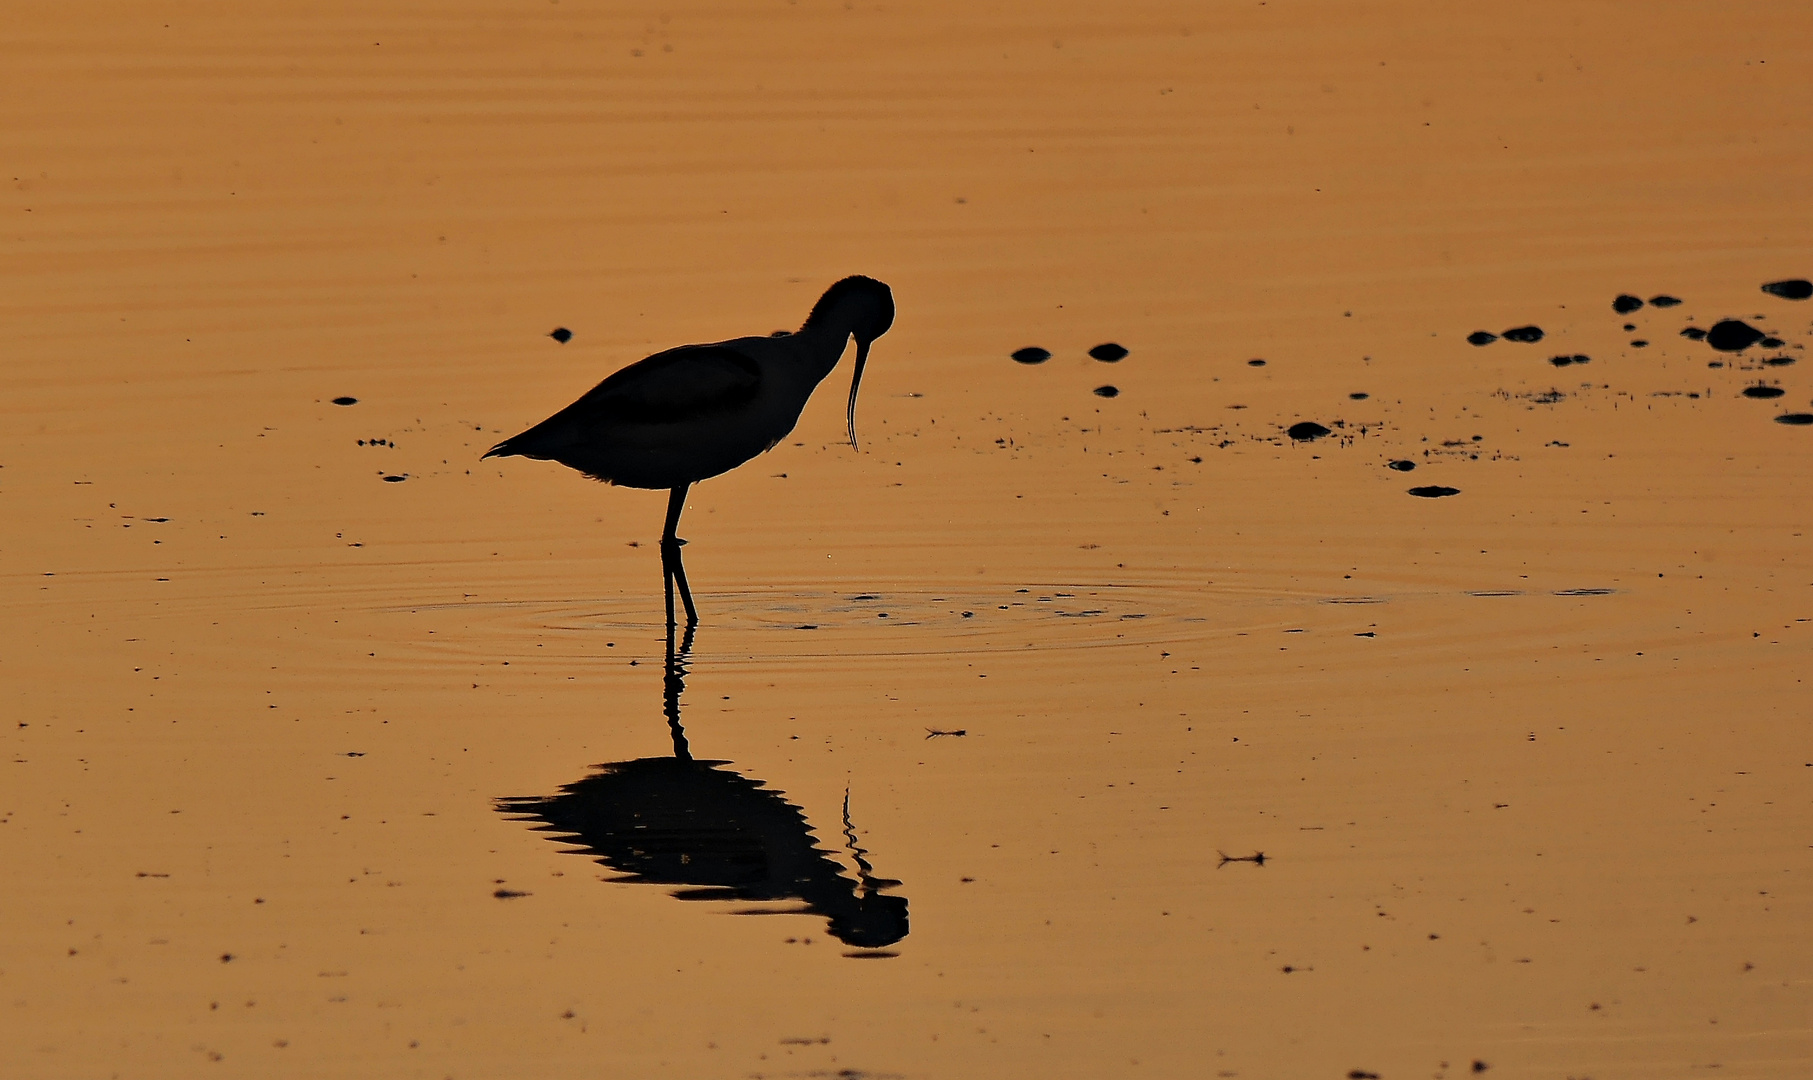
<point x="1693" y="333"/>
<point x="1626" y="303"/>
<point x="1031" y="354"/>
<point x="1401" y="465"/>
<point x="1771" y="342"/>
<point x="1481" y="337"/>
<point x="1564" y="361"/>
<point x="1480" y="1066"/>
<point x="346" y="401"/>
<point x="1797" y="419"/>
<point x="1732" y="335"/>
<point x="1584" y="592"/>
<point x="1779" y="361"/>
<point x="1791" y="289"/>
<point x="1361" y="1074"/>
<point x="1433" y="491"/>
<point x="1639" y="343"/>
<point x="508" y="894"/>
<point x="1106" y="391"/>
<point x="1664" y="300"/>
<point x="1108" y="352"/>
<point x="1255" y="363"/>
<point x="1763" y="392"/>
<point x="872" y="596"/>
<point x="1305" y="430"/>
<point x="561" y="334"/>
<point x="1529" y="335"/>
<point x="396" y="479"/>
<point x="1359" y="395"/>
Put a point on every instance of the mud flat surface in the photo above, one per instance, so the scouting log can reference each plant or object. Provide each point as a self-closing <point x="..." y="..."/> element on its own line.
<point x="1336" y="697"/>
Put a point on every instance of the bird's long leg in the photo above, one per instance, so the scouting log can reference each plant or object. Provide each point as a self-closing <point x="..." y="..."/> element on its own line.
<point x="673" y="686"/>
<point x="672" y="569"/>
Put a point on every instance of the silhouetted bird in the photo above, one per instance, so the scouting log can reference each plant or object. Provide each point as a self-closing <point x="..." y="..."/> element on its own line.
<point x="680" y="416"/>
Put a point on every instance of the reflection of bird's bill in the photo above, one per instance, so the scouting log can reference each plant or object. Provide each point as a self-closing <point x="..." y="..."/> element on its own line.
<point x="862" y="357"/>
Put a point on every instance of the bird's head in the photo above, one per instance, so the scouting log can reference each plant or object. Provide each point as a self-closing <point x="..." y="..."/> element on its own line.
<point x="862" y="308"/>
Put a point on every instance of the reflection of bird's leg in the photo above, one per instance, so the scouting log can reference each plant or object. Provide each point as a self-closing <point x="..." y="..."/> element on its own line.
<point x="672" y="569"/>
<point x="674" y="685"/>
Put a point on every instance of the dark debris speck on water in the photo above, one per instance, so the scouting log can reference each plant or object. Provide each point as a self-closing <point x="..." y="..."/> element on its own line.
<point x="395" y="479"/>
<point x="1401" y="465"/>
<point x="1764" y="392"/>
<point x="1779" y="361"/>
<point x="1107" y="391"/>
<point x="343" y="400"/>
<point x="1796" y="419"/>
<point x="1031" y="354"/>
<point x="1481" y="337"/>
<point x="1693" y="333"/>
<point x="1255" y="362"/>
<point x="1664" y="300"/>
<point x="1305" y="430"/>
<point x="1626" y="303"/>
<point x="1790" y="289"/>
<point x="1529" y="335"/>
<point x="1433" y="491"/>
<point x="1732" y="335"/>
<point x="561" y="334"/>
<point x="1108" y="352"/>
<point x="1576" y="358"/>
<point x="1359" y="395"/>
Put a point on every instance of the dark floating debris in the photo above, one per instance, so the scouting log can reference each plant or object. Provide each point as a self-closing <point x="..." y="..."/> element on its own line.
<point x="1434" y="491"/>
<point x="346" y="401"/>
<point x="1629" y="326"/>
<point x="1584" y="592"/>
<point x="1732" y="335"/>
<point x="1664" y="300"/>
<point x="1359" y="395"/>
<point x="1564" y="361"/>
<point x="1305" y="430"/>
<point x="1031" y="354"/>
<point x="1764" y="392"/>
<point x="1791" y="289"/>
<point x="1107" y="391"/>
<point x="1257" y="858"/>
<point x="561" y="334"/>
<point x="1255" y="363"/>
<point x="1639" y="343"/>
<point x="1779" y="361"/>
<point x="1401" y="465"/>
<point x="1693" y="333"/>
<point x="1529" y="335"/>
<point x="1626" y="303"/>
<point x="1797" y="419"/>
<point x="1771" y="342"/>
<point x="1481" y="337"/>
<point x="396" y="479"/>
<point x="510" y="894"/>
<point x="1108" y="353"/>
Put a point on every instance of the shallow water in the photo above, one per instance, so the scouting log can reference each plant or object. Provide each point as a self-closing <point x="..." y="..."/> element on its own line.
<point x="289" y="681"/>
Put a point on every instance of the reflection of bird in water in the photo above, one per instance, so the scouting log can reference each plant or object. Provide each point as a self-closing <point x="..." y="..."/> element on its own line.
<point x="686" y="414"/>
<point x="719" y="834"/>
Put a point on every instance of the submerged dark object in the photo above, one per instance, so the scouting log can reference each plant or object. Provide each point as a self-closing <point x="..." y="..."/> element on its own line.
<point x="1434" y="491"/>
<point x="1031" y="354"/>
<point x="1626" y="303"/>
<point x="1108" y="353"/>
<point x="1664" y="300"/>
<point x="346" y="400"/>
<point x="1733" y="335"/>
<point x="1400" y="465"/>
<point x="1305" y="430"/>
<point x="561" y="334"/>
<point x="1106" y="391"/>
<point x="1790" y="289"/>
<point x="1529" y="335"/>
<point x="1798" y="419"/>
<point x="1764" y="392"/>
<point x="1481" y="337"/>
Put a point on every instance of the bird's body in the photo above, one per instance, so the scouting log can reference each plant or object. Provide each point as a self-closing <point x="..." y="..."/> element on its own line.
<point x="693" y="412"/>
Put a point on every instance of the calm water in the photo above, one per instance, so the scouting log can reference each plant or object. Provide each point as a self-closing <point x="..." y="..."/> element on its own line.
<point x="334" y="752"/>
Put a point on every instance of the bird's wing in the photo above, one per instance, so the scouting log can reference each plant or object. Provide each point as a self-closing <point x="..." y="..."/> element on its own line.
<point x="681" y="384"/>
<point x="690" y="383"/>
